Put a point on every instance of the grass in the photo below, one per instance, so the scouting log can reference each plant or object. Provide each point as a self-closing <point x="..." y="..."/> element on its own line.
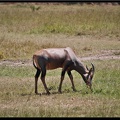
<point x="73" y="19"/>
<point x="88" y="29"/>
<point x="23" y="46"/>
<point x="23" y="31"/>
<point x="17" y="97"/>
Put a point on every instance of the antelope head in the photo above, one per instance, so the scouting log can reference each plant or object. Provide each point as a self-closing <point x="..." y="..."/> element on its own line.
<point x="89" y="76"/>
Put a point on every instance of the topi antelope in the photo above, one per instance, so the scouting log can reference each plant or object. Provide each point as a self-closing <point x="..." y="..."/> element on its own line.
<point x="52" y="58"/>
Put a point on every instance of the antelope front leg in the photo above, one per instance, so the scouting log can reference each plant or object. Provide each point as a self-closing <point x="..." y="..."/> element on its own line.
<point x="71" y="78"/>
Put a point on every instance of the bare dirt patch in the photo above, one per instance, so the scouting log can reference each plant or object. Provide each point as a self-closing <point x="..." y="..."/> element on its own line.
<point x="27" y="62"/>
<point x="104" y="54"/>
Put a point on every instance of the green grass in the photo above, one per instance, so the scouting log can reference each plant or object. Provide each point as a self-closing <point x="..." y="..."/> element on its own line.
<point x="73" y="19"/>
<point x="17" y="97"/>
<point x="89" y="30"/>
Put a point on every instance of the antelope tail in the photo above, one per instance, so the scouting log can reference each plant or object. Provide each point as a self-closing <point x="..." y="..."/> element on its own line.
<point x="34" y="61"/>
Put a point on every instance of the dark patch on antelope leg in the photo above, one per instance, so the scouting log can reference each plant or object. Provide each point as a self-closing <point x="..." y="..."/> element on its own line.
<point x="71" y="78"/>
<point x="43" y="81"/>
<point x="62" y="78"/>
<point x="36" y="80"/>
<point x="66" y="65"/>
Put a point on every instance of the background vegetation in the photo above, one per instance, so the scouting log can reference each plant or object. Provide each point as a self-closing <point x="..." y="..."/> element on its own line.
<point x="88" y="29"/>
<point x="24" y="30"/>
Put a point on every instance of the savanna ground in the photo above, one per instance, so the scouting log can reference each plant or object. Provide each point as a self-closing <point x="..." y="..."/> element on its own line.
<point x="92" y="31"/>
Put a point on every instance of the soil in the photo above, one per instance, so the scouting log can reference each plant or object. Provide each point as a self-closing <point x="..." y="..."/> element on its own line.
<point x="110" y="54"/>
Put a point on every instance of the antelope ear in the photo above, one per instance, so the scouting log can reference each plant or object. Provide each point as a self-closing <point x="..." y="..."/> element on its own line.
<point x="93" y="68"/>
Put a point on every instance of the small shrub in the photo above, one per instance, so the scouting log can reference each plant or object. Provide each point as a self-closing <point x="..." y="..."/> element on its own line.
<point x="87" y="49"/>
<point x="117" y="53"/>
<point x="33" y="8"/>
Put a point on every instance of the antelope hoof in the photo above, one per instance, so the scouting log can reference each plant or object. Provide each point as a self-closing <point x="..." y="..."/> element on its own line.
<point x="48" y="93"/>
<point x="91" y="90"/>
<point x="59" y="92"/>
<point x="74" y="90"/>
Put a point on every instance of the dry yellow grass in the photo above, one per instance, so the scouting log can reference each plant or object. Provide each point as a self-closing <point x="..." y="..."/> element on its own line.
<point x="86" y="29"/>
<point x="23" y="46"/>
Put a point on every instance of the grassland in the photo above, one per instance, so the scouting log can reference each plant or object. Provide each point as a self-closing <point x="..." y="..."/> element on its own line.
<point x="24" y="31"/>
<point x="17" y="98"/>
<point x="89" y="30"/>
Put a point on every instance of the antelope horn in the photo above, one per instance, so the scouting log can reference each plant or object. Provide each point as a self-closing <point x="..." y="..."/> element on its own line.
<point x="93" y="67"/>
<point x="87" y="68"/>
